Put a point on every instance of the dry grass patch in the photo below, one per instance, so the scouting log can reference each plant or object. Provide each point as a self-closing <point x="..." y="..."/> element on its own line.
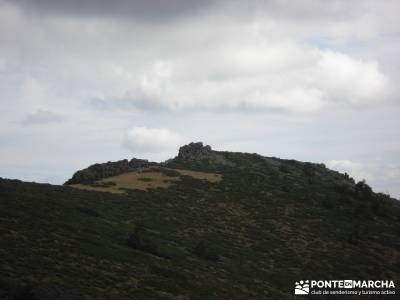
<point x="144" y="179"/>
<point x="212" y="177"/>
<point x="131" y="180"/>
<point x="97" y="189"/>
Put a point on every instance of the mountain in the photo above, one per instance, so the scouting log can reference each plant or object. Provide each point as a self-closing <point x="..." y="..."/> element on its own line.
<point x="204" y="225"/>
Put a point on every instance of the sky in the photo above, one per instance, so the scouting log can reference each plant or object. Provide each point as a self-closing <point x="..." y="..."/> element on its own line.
<point x="95" y="80"/>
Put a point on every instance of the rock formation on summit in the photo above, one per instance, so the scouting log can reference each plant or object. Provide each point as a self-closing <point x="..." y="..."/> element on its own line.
<point x="194" y="151"/>
<point x="191" y="153"/>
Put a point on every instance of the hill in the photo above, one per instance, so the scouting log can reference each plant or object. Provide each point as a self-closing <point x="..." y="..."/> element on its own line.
<point x="204" y="225"/>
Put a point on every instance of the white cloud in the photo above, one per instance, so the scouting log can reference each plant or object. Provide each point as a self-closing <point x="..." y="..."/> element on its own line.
<point x="345" y="79"/>
<point x="207" y="62"/>
<point x="382" y="177"/>
<point x="264" y="75"/>
<point x="152" y="140"/>
<point x="356" y="170"/>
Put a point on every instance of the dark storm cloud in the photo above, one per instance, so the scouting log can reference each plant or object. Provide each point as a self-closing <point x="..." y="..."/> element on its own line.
<point x="167" y="10"/>
<point x="148" y="10"/>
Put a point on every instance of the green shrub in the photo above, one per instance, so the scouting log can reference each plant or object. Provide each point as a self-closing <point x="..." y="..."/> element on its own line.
<point x="284" y="169"/>
<point x="138" y="242"/>
<point x="328" y="203"/>
<point x="24" y="292"/>
<point x="202" y="250"/>
<point x="145" y="179"/>
<point x="102" y="184"/>
<point x="309" y="169"/>
<point x="363" y="211"/>
<point x="364" y="191"/>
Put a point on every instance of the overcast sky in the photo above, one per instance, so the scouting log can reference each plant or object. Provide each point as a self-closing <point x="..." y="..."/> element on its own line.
<point x="85" y="81"/>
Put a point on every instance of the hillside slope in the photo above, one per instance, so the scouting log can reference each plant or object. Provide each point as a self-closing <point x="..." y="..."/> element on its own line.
<point x="247" y="228"/>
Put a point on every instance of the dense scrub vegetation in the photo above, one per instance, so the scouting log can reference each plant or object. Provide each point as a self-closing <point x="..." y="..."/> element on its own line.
<point x="108" y="169"/>
<point x="268" y="223"/>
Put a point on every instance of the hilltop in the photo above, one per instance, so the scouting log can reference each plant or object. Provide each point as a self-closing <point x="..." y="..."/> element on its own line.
<point x="203" y="225"/>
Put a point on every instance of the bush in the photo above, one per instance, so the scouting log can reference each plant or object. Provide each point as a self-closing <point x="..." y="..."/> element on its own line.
<point x="24" y="292"/>
<point x="89" y="212"/>
<point x="344" y="190"/>
<point x="166" y="172"/>
<point x="284" y="169"/>
<point x="380" y="204"/>
<point x="363" y="211"/>
<point x="136" y="241"/>
<point x="345" y="199"/>
<point x="145" y="179"/>
<point x="102" y="184"/>
<point x="202" y="250"/>
<point x="309" y="169"/>
<point x="354" y="236"/>
<point x="170" y="173"/>
<point x="328" y="203"/>
<point x="364" y="191"/>
<point x="348" y="178"/>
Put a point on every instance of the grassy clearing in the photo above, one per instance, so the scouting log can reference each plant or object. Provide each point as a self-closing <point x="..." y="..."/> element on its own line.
<point x="145" y="179"/>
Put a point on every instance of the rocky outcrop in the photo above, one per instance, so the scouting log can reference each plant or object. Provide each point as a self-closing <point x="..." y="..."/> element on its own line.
<point x="109" y="169"/>
<point x="194" y="151"/>
<point x="198" y="152"/>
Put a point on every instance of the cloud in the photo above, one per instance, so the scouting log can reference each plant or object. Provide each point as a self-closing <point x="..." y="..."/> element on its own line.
<point x="148" y="11"/>
<point x="152" y="140"/>
<point x="212" y="62"/>
<point x="42" y="117"/>
<point x="263" y="75"/>
<point x="393" y="172"/>
<point x="383" y="177"/>
<point x="207" y="63"/>
<point x="356" y="170"/>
